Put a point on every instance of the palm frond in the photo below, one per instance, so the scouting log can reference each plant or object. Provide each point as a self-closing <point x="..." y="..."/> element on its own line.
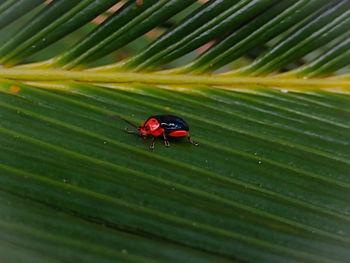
<point x="289" y="29"/>
<point x="264" y="87"/>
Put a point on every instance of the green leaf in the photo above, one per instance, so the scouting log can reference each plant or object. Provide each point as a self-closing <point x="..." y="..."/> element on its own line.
<point x="226" y="197"/>
<point x="263" y="32"/>
<point x="12" y="10"/>
<point x="335" y="58"/>
<point x="316" y="32"/>
<point x="35" y="30"/>
<point x="223" y="17"/>
<point x="133" y="20"/>
<point x="76" y="20"/>
<point x="269" y="181"/>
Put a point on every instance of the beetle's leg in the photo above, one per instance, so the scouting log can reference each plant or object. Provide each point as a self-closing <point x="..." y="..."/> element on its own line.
<point x="129" y="131"/>
<point x="166" y="142"/>
<point x="152" y="144"/>
<point x="190" y="140"/>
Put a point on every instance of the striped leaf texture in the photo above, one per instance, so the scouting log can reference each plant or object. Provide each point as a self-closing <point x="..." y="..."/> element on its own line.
<point x="264" y="86"/>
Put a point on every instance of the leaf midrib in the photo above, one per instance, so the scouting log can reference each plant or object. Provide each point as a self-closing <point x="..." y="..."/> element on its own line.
<point x="167" y="79"/>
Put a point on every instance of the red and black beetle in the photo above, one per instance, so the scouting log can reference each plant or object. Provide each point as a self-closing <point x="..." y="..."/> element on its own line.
<point x="161" y="126"/>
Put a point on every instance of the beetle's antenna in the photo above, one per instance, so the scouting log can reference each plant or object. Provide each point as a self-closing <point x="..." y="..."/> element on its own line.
<point x="121" y="118"/>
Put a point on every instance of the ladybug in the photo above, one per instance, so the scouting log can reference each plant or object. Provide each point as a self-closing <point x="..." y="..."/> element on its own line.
<point x="163" y="126"/>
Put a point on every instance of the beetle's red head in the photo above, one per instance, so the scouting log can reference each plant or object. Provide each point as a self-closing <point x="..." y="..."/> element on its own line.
<point x="149" y="127"/>
<point x="144" y="130"/>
